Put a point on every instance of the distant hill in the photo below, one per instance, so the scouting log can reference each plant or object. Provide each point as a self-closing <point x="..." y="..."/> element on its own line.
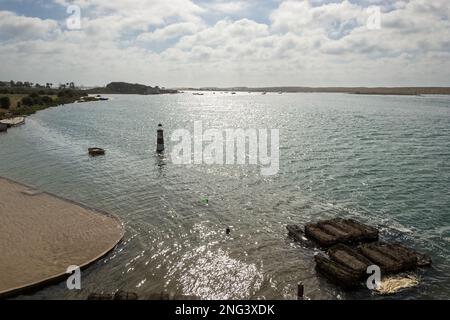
<point x="129" y="88"/>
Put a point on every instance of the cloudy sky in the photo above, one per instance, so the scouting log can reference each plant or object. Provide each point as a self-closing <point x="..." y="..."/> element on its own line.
<point x="227" y="43"/>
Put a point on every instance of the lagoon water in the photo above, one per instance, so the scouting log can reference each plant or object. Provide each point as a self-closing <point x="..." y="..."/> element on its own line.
<point x="384" y="160"/>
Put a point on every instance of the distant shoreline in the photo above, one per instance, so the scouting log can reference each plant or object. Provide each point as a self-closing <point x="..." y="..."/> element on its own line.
<point x="409" y="91"/>
<point x="130" y="88"/>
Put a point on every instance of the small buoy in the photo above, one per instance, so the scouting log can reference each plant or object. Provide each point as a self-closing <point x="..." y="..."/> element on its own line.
<point x="160" y="139"/>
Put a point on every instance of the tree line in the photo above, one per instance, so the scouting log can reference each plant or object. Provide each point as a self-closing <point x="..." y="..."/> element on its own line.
<point x="27" y="84"/>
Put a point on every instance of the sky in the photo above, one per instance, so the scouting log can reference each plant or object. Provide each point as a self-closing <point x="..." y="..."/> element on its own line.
<point x="198" y="43"/>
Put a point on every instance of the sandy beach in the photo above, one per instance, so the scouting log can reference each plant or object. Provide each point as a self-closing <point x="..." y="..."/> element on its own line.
<point x="41" y="235"/>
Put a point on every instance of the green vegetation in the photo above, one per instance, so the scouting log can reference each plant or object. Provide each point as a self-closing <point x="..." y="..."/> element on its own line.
<point x="25" y="104"/>
<point x="5" y="102"/>
<point x="27" y="110"/>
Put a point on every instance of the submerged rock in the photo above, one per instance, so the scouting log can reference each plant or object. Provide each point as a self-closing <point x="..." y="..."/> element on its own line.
<point x="347" y="265"/>
<point x="331" y="232"/>
<point x="350" y="258"/>
<point x="336" y="272"/>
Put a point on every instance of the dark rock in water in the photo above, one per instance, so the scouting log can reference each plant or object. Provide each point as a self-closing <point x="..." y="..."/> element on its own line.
<point x="359" y="232"/>
<point x="330" y="232"/>
<point x="323" y="238"/>
<point x="124" y="295"/>
<point x="347" y="265"/>
<point x="386" y="263"/>
<point x="342" y="225"/>
<point x="421" y="260"/>
<point x="336" y="273"/>
<point x="368" y="233"/>
<point x="296" y="232"/>
<point x="100" y="296"/>
<point x="407" y="258"/>
<point x="350" y="258"/>
<point x="340" y="234"/>
<point x="3" y="127"/>
<point x="119" y="295"/>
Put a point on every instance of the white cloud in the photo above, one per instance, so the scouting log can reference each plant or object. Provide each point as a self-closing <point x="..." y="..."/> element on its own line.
<point x="115" y="18"/>
<point x="153" y="11"/>
<point x="225" y="31"/>
<point x="169" y="32"/>
<point x="332" y="19"/>
<point x="298" y="43"/>
<point x="13" y="26"/>
<point x="227" y="7"/>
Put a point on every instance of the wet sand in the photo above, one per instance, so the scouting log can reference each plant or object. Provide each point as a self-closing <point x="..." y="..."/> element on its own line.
<point x="41" y="235"/>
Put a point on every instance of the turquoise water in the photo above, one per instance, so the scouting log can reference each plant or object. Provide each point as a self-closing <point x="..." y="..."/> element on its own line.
<point x="384" y="160"/>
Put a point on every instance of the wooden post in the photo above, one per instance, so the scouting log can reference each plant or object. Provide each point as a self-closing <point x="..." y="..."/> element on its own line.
<point x="300" y="291"/>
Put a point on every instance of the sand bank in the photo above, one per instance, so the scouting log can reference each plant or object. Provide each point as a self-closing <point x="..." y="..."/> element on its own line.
<point x="13" y="122"/>
<point x="42" y="234"/>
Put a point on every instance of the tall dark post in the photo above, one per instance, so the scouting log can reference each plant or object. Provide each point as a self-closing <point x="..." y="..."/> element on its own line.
<point x="160" y="139"/>
<point x="300" y="291"/>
